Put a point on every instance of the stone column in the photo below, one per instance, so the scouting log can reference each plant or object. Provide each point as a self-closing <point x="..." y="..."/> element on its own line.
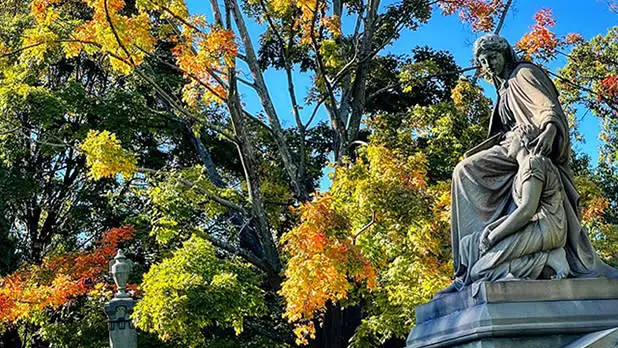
<point x="122" y="332"/>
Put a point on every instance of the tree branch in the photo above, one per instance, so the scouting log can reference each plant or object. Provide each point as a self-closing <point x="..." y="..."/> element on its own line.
<point x="269" y="109"/>
<point x="611" y="104"/>
<point x="395" y="84"/>
<point x="232" y="249"/>
<point x="111" y="25"/>
<point x="503" y="16"/>
<point x="358" y="92"/>
<point x="177" y="17"/>
<point x="258" y="121"/>
<point x="192" y="76"/>
<point x="189" y="184"/>
<point x="315" y="111"/>
<point x="366" y="227"/>
<point x="181" y="109"/>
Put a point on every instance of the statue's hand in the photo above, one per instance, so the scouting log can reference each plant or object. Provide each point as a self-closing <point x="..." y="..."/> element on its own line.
<point x="485" y="241"/>
<point x="545" y="141"/>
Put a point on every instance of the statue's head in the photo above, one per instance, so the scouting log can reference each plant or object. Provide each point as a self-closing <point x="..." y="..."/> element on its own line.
<point x="523" y="140"/>
<point x="494" y="54"/>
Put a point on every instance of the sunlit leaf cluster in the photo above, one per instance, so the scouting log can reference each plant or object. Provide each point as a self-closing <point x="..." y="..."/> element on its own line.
<point x="324" y="264"/>
<point x="193" y="290"/>
<point x="125" y="39"/>
<point x="481" y="14"/>
<point x="383" y="206"/>
<point x="541" y="43"/>
<point x="106" y="157"/>
<point x="179" y="206"/>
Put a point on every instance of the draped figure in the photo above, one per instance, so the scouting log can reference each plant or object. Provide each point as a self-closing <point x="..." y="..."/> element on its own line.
<point x="483" y="183"/>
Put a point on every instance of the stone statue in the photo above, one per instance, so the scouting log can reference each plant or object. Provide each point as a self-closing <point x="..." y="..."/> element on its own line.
<point x="514" y="206"/>
<point x="522" y="244"/>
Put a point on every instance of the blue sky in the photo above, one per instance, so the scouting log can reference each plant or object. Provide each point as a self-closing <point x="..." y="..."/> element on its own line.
<point x="587" y="17"/>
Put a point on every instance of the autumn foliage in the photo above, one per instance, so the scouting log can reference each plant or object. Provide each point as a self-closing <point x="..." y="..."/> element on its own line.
<point x="107" y="31"/>
<point x="481" y="14"/>
<point x="216" y="52"/>
<point x="541" y="42"/>
<point x="202" y="50"/>
<point x="609" y="88"/>
<point x="105" y="156"/>
<point x="373" y="235"/>
<point x="60" y="278"/>
<point x="230" y="252"/>
<point x="324" y="264"/>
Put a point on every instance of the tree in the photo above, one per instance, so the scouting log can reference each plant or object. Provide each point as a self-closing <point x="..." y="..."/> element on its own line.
<point x="212" y="179"/>
<point x="58" y="282"/>
<point x="49" y="207"/>
<point x="213" y="82"/>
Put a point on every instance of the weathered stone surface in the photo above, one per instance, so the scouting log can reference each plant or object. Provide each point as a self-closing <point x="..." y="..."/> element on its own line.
<point x="519" y="291"/>
<point x="518" y="313"/>
<point x="514" y="215"/>
<point x="122" y="333"/>
<point x="601" y="339"/>
<point x="514" y="204"/>
<point x="545" y="341"/>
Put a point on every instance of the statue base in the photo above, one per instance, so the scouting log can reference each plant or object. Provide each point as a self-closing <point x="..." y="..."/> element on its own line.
<point x="524" y="313"/>
<point x="122" y="333"/>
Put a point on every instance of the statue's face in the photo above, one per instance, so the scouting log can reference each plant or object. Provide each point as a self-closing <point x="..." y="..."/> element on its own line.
<point x="492" y="62"/>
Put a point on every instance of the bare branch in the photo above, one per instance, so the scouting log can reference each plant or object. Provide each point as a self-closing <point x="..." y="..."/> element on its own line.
<point x="336" y="122"/>
<point x="269" y="109"/>
<point x="358" y="92"/>
<point x="246" y="82"/>
<point x="503" y="16"/>
<point x="21" y="49"/>
<point x="111" y="25"/>
<point x="382" y="90"/>
<point x="315" y="111"/>
<point x="366" y="227"/>
<point x="613" y="6"/>
<point x="232" y="249"/>
<point x="217" y="12"/>
<point x="181" y="109"/>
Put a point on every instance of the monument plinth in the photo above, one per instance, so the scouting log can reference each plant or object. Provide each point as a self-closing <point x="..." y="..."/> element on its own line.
<point x="525" y="313"/>
<point x="122" y="333"/>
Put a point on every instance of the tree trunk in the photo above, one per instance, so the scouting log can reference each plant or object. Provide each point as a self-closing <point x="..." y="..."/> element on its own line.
<point x="360" y="80"/>
<point x="262" y="91"/>
<point x="338" y="327"/>
<point x="250" y="167"/>
<point x="10" y="338"/>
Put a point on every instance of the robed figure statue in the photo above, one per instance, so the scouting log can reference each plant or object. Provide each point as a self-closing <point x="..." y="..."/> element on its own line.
<point x="515" y="210"/>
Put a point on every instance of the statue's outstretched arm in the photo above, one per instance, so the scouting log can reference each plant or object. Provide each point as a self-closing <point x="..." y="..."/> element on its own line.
<point x="531" y="195"/>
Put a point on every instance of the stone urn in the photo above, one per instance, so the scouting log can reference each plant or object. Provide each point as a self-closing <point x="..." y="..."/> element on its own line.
<point x="122" y="333"/>
<point x="120" y="268"/>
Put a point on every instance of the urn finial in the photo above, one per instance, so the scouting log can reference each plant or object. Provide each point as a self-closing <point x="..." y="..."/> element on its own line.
<point x="120" y="268"/>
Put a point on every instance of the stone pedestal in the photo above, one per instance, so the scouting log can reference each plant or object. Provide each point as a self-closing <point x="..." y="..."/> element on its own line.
<point x="122" y="332"/>
<point x="527" y="313"/>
